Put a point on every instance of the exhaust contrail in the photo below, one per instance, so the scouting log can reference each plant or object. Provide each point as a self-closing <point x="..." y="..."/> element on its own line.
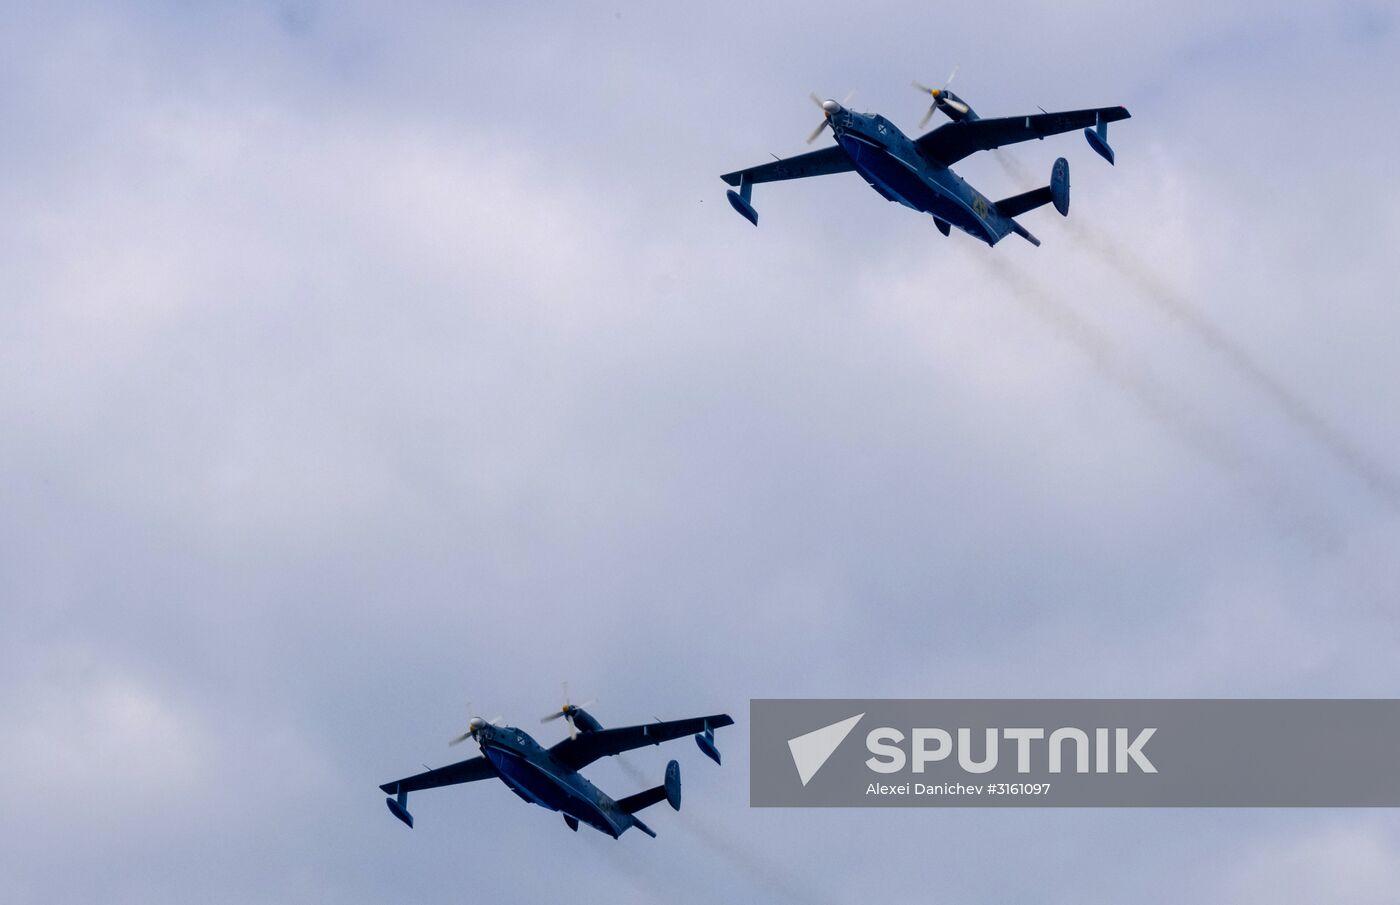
<point x="1195" y="321"/>
<point x="775" y="881"/>
<point x="1155" y="399"/>
<point x="1298" y="410"/>
<point x="1102" y="352"/>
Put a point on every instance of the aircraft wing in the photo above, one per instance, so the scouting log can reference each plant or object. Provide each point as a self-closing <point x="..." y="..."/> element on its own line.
<point x="583" y="749"/>
<point x="952" y="142"/>
<point x="813" y="163"/>
<point x="469" y="770"/>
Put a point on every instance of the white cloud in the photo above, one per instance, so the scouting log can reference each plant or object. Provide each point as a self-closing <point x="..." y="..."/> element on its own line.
<point x="1340" y="860"/>
<point x="357" y="364"/>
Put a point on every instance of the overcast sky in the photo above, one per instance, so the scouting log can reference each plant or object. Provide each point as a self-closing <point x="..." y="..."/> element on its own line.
<point x="359" y="360"/>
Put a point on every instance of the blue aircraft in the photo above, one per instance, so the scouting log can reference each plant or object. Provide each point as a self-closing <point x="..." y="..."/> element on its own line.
<point x="550" y="778"/>
<point x="916" y="172"/>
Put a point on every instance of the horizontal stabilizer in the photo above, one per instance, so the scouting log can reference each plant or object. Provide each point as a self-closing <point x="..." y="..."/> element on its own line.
<point x="634" y="803"/>
<point x="1026" y="201"/>
<point x="669" y="791"/>
<point x="1056" y="193"/>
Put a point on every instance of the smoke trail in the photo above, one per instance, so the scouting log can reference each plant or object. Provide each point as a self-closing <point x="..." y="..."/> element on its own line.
<point x="1289" y="402"/>
<point x="651" y="888"/>
<point x="1155" y="399"/>
<point x="1195" y="321"/>
<point x="1101" y="352"/>
<point x="763" y="874"/>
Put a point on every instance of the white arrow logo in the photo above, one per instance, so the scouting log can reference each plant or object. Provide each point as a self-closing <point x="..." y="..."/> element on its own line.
<point x="810" y="751"/>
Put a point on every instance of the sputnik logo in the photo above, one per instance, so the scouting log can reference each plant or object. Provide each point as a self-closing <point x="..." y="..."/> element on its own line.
<point x="812" y="750"/>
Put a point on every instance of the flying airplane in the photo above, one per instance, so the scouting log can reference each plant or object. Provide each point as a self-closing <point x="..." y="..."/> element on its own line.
<point x="916" y="172"/>
<point x="550" y="778"/>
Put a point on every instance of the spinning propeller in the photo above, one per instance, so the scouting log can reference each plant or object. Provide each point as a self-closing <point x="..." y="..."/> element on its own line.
<point x="828" y="108"/>
<point x="567" y="712"/>
<point x="940" y="98"/>
<point x="473" y="726"/>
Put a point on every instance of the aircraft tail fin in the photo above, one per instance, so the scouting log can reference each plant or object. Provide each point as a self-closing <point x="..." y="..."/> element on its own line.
<point x="1056" y="193"/>
<point x="669" y="791"/>
<point x="643" y="827"/>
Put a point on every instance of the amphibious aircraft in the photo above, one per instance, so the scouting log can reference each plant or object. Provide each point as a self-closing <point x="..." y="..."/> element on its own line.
<point x="550" y="778"/>
<point x="916" y="172"/>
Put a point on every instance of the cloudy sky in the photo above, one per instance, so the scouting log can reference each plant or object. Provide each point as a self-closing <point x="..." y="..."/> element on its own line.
<point x="358" y="361"/>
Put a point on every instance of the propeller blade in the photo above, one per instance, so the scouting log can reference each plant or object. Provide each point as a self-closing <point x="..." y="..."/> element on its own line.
<point x="940" y="97"/>
<point x="932" y="109"/>
<point x="566" y="712"/>
<point x="845" y="101"/>
<point x="949" y="80"/>
<point x="816" y="100"/>
<point x="457" y="740"/>
<point x="818" y="131"/>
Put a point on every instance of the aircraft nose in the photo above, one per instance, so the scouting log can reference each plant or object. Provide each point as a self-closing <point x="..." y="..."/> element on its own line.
<point x="831" y="107"/>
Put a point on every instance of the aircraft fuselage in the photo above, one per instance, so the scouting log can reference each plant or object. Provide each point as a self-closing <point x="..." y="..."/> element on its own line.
<point x="891" y="163"/>
<point x="531" y="772"/>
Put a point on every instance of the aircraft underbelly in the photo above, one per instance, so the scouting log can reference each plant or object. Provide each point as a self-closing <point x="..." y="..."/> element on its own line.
<point x="537" y="786"/>
<point x="887" y="175"/>
<point x="895" y="181"/>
